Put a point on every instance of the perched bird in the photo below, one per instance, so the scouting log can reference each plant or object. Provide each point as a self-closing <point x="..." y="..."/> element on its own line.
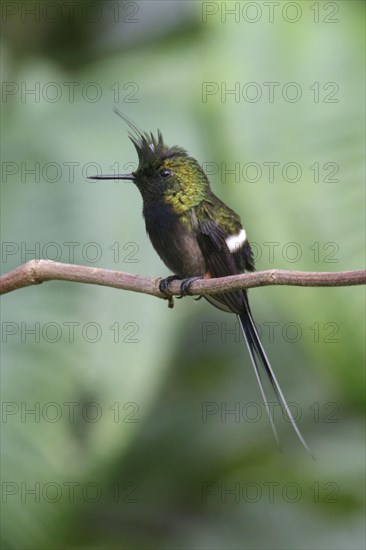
<point x="196" y="235"/>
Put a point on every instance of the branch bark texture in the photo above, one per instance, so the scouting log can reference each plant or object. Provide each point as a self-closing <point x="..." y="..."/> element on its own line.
<point x="38" y="271"/>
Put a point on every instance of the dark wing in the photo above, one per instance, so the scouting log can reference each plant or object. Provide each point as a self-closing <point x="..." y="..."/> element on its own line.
<point x="219" y="223"/>
<point x="220" y="262"/>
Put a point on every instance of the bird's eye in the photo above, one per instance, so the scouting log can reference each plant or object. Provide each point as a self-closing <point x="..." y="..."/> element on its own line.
<point x="165" y="173"/>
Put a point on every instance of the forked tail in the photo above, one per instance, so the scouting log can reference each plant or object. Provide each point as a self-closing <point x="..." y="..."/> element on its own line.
<point x="256" y="352"/>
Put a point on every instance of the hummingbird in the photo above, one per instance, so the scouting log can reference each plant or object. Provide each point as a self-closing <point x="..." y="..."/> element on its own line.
<point x="197" y="236"/>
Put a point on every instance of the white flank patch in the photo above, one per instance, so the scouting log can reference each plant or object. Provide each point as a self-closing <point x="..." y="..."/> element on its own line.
<point x="151" y="145"/>
<point x="235" y="242"/>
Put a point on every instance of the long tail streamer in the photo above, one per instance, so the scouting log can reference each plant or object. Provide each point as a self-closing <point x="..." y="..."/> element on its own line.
<point x="256" y="351"/>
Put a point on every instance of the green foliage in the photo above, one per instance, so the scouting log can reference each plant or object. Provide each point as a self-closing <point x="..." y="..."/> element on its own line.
<point x="158" y="449"/>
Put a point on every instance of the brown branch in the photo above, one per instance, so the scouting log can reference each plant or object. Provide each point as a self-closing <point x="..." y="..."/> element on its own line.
<point x="35" y="272"/>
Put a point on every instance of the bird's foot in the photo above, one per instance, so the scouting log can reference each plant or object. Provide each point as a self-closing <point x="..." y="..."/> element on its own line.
<point x="164" y="288"/>
<point x="164" y="284"/>
<point x="184" y="288"/>
<point x="186" y="284"/>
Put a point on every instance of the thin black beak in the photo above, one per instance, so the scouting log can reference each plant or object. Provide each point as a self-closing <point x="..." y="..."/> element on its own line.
<point x="114" y="177"/>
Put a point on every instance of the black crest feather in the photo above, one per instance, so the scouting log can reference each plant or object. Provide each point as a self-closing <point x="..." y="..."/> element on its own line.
<point x="149" y="147"/>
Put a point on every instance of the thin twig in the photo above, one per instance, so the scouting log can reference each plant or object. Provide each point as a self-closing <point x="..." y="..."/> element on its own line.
<point x="37" y="271"/>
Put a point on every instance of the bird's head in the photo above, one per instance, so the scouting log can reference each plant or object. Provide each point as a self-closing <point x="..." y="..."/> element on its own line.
<point x="164" y="173"/>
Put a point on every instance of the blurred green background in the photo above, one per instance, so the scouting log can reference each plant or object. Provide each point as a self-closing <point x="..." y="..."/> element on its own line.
<point x="131" y="442"/>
